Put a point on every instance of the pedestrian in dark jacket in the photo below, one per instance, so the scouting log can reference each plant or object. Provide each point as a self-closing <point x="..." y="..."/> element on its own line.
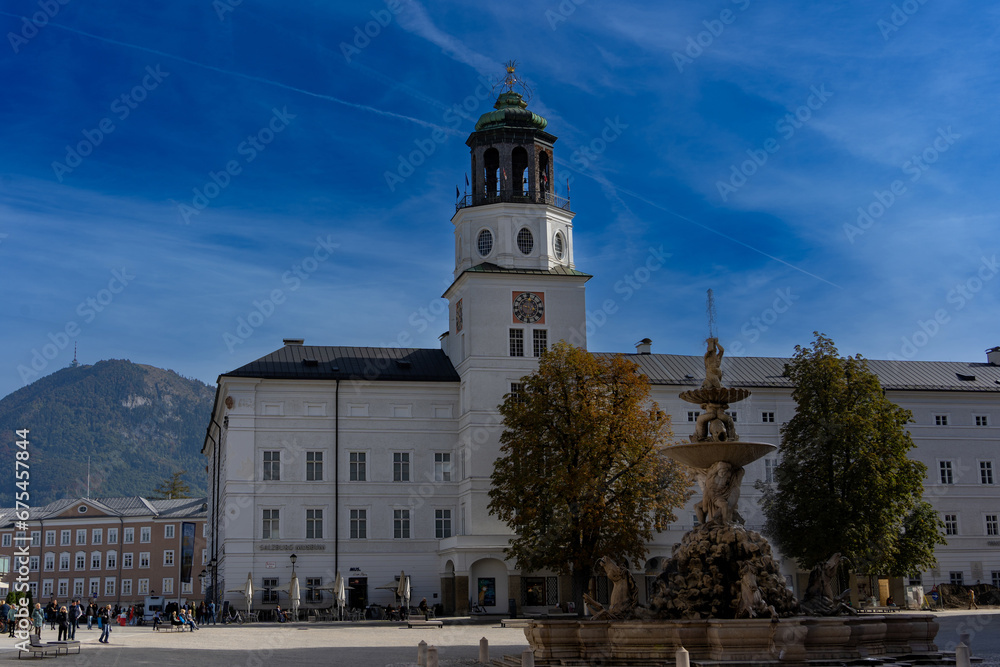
<point x="105" y="615"/>
<point x="74" y="617"/>
<point x="62" y="620"/>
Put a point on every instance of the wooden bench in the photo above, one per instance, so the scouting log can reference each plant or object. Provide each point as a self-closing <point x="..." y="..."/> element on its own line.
<point x="420" y="623"/>
<point x="170" y="627"/>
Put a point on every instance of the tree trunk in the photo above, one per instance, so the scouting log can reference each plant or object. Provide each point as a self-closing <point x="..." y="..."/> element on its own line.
<point x="581" y="581"/>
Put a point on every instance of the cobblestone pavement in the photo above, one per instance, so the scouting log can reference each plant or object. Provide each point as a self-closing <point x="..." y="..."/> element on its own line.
<point x="376" y="644"/>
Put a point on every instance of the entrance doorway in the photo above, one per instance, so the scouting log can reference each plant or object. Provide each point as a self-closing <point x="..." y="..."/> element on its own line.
<point x="357" y="595"/>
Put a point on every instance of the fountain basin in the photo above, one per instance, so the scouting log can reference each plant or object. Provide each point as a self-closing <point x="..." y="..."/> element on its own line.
<point x="704" y="454"/>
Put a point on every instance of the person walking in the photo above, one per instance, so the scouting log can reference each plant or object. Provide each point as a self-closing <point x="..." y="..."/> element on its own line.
<point x="104" y="615"/>
<point x="972" y="599"/>
<point x="11" y="619"/>
<point x="37" y="618"/>
<point x="75" y="611"/>
<point x="91" y="613"/>
<point x="51" y="610"/>
<point x="211" y="611"/>
<point x="62" y="620"/>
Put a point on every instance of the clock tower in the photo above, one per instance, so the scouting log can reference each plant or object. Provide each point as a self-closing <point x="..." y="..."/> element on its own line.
<point x="516" y="289"/>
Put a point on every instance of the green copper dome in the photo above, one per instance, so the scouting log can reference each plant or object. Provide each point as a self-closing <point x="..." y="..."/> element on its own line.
<point x="511" y="111"/>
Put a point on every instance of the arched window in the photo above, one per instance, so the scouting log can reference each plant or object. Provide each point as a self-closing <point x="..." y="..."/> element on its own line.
<point x="544" y="174"/>
<point x="519" y="165"/>
<point x="491" y="167"/>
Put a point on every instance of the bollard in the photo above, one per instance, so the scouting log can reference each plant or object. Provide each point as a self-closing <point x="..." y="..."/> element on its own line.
<point x="422" y="654"/>
<point x="484" y="651"/>
<point x="432" y="656"/>
<point x="962" y="656"/>
<point x="682" y="657"/>
<point x="527" y="658"/>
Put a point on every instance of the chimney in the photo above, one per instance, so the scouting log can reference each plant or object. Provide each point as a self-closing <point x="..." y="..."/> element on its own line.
<point x="993" y="356"/>
<point x="643" y="346"/>
<point x="294" y="341"/>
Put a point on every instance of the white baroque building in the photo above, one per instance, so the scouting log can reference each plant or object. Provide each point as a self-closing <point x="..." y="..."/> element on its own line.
<point x="370" y="461"/>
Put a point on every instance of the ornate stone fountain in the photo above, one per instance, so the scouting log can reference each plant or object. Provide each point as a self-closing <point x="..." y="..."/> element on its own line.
<point x="721" y="595"/>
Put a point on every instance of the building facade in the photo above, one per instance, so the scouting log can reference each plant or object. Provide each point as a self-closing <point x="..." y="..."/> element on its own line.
<point x="373" y="461"/>
<point x="113" y="550"/>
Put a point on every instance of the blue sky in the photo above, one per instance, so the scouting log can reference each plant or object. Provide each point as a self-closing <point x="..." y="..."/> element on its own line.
<point x="741" y="137"/>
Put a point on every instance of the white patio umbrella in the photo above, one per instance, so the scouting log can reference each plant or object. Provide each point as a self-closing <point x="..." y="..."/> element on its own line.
<point x="403" y="590"/>
<point x="295" y="595"/>
<point x="248" y="591"/>
<point x="340" y="594"/>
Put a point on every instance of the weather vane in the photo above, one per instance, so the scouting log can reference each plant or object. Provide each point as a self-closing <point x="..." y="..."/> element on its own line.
<point x="510" y="80"/>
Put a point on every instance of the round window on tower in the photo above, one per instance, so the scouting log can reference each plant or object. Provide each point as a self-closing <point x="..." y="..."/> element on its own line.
<point x="559" y="246"/>
<point x="525" y="242"/>
<point x="485" y="242"/>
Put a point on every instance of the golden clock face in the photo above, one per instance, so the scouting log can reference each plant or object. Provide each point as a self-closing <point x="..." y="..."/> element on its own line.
<point x="529" y="308"/>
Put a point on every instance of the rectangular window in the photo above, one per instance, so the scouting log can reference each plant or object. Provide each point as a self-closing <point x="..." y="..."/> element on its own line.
<point x="992" y="526"/>
<point x="272" y="466"/>
<point x="517" y="391"/>
<point x="33" y="589"/>
<point x="47" y="588"/>
<point x="946" y="472"/>
<point x="168" y="531"/>
<point x="767" y="417"/>
<point x="540" y="341"/>
<point x="940" y="420"/>
<point x="109" y="587"/>
<point x="95" y="587"/>
<point x="126" y="587"/>
<point x="143" y="587"/>
<point x="186" y="587"/>
<point x="359" y="524"/>
<point x="915" y="579"/>
<point x="986" y="472"/>
<point x="81" y="536"/>
<point x="145" y="534"/>
<point x="314" y="466"/>
<point x="64" y="538"/>
<point x="112" y="536"/>
<point x="733" y="414"/>
<point x="95" y="561"/>
<point x="96" y="536"/>
<point x="270" y="594"/>
<point x="442" y="524"/>
<point x="957" y="578"/>
<point x="143" y="560"/>
<point x="81" y="561"/>
<point x="129" y="536"/>
<point x="401" y="466"/>
<point x="36" y="538"/>
<point x="982" y="420"/>
<point x="442" y="466"/>
<point x="168" y="557"/>
<point x="33" y="563"/>
<point x="769" y="467"/>
<point x="314" y="524"/>
<point x="269" y="526"/>
<point x="312" y="592"/>
<point x="693" y="415"/>
<point x="6" y="540"/>
<point x="401" y="524"/>
<point x="50" y="562"/>
<point x="64" y="562"/>
<point x="358" y="466"/>
<point x="78" y="587"/>
<point x="517" y="342"/>
<point x="951" y="524"/>
<point x="50" y="538"/>
<point x="127" y="561"/>
<point x="168" y="586"/>
<point x="996" y="578"/>
<point x="63" y="588"/>
<point x="111" y="562"/>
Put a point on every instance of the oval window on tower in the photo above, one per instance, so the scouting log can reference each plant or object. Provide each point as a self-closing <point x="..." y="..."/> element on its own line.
<point x="559" y="246"/>
<point x="485" y="242"/>
<point x="525" y="242"/>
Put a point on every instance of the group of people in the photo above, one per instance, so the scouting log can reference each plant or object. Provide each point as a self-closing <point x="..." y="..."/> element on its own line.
<point x="182" y="617"/>
<point x="66" y="619"/>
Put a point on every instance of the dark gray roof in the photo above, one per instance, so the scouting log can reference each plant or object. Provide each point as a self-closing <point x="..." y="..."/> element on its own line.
<point x="559" y="270"/>
<point x="121" y="506"/>
<point x="689" y="371"/>
<point x="351" y="363"/>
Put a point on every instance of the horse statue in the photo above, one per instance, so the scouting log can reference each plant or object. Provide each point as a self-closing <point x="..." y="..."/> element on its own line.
<point x="624" y="593"/>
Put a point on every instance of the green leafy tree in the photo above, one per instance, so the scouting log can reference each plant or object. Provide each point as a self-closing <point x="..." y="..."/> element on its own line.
<point x="581" y="474"/>
<point x="174" y="486"/>
<point x="845" y="482"/>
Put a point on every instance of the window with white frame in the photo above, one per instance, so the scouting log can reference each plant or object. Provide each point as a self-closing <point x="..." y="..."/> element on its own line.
<point x="64" y="538"/>
<point x="442" y="466"/>
<point x="168" y="585"/>
<point x="109" y="587"/>
<point x="33" y="563"/>
<point x="143" y="587"/>
<point x="517" y="392"/>
<point x="95" y="560"/>
<point x="946" y="474"/>
<point x="940" y="420"/>
<point x="986" y="472"/>
<point x="143" y="560"/>
<point x="693" y="415"/>
<point x="734" y="414"/>
<point x="359" y="524"/>
<point x="957" y="578"/>
<point x="63" y="587"/>
<point x="272" y="466"/>
<point x="314" y="524"/>
<point x="81" y="536"/>
<point x="127" y="560"/>
<point x="517" y="342"/>
<point x="168" y="531"/>
<point x="50" y="538"/>
<point x="767" y="417"/>
<point x="7" y="540"/>
<point x="64" y="561"/>
<point x="168" y="557"/>
<point x="78" y="587"/>
<point x="540" y="341"/>
<point x="49" y="562"/>
<point x="995" y="574"/>
<point x="401" y="466"/>
<point x="951" y="524"/>
<point x="982" y="420"/>
<point x="314" y="466"/>
<point x="81" y="561"/>
<point x="992" y="526"/>
<point x="358" y="468"/>
<point x="770" y="465"/>
<point x="96" y="536"/>
<point x="442" y="524"/>
<point x="36" y="538"/>
<point x="33" y="589"/>
<point x="270" y="528"/>
<point x="313" y="594"/>
<point x="126" y="587"/>
<point x="95" y="587"/>
<point x="111" y="562"/>
<point x="128" y="537"/>
<point x="112" y="536"/>
<point x="401" y="524"/>
<point x="145" y="534"/>
<point x="270" y="590"/>
<point x="47" y="588"/>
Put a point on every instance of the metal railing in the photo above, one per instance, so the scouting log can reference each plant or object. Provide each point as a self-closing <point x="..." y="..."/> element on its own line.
<point x="513" y="198"/>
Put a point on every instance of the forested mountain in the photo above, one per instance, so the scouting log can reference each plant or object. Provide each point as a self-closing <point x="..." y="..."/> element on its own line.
<point x="138" y="424"/>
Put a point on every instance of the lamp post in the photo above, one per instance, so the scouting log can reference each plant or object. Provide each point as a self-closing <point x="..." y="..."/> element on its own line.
<point x="215" y="577"/>
<point x="292" y="558"/>
<point x="201" y="580"/>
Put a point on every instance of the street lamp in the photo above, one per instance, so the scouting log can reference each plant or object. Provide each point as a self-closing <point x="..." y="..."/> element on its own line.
<point x="293" y="558"/>
<point x="201" y="580"/>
